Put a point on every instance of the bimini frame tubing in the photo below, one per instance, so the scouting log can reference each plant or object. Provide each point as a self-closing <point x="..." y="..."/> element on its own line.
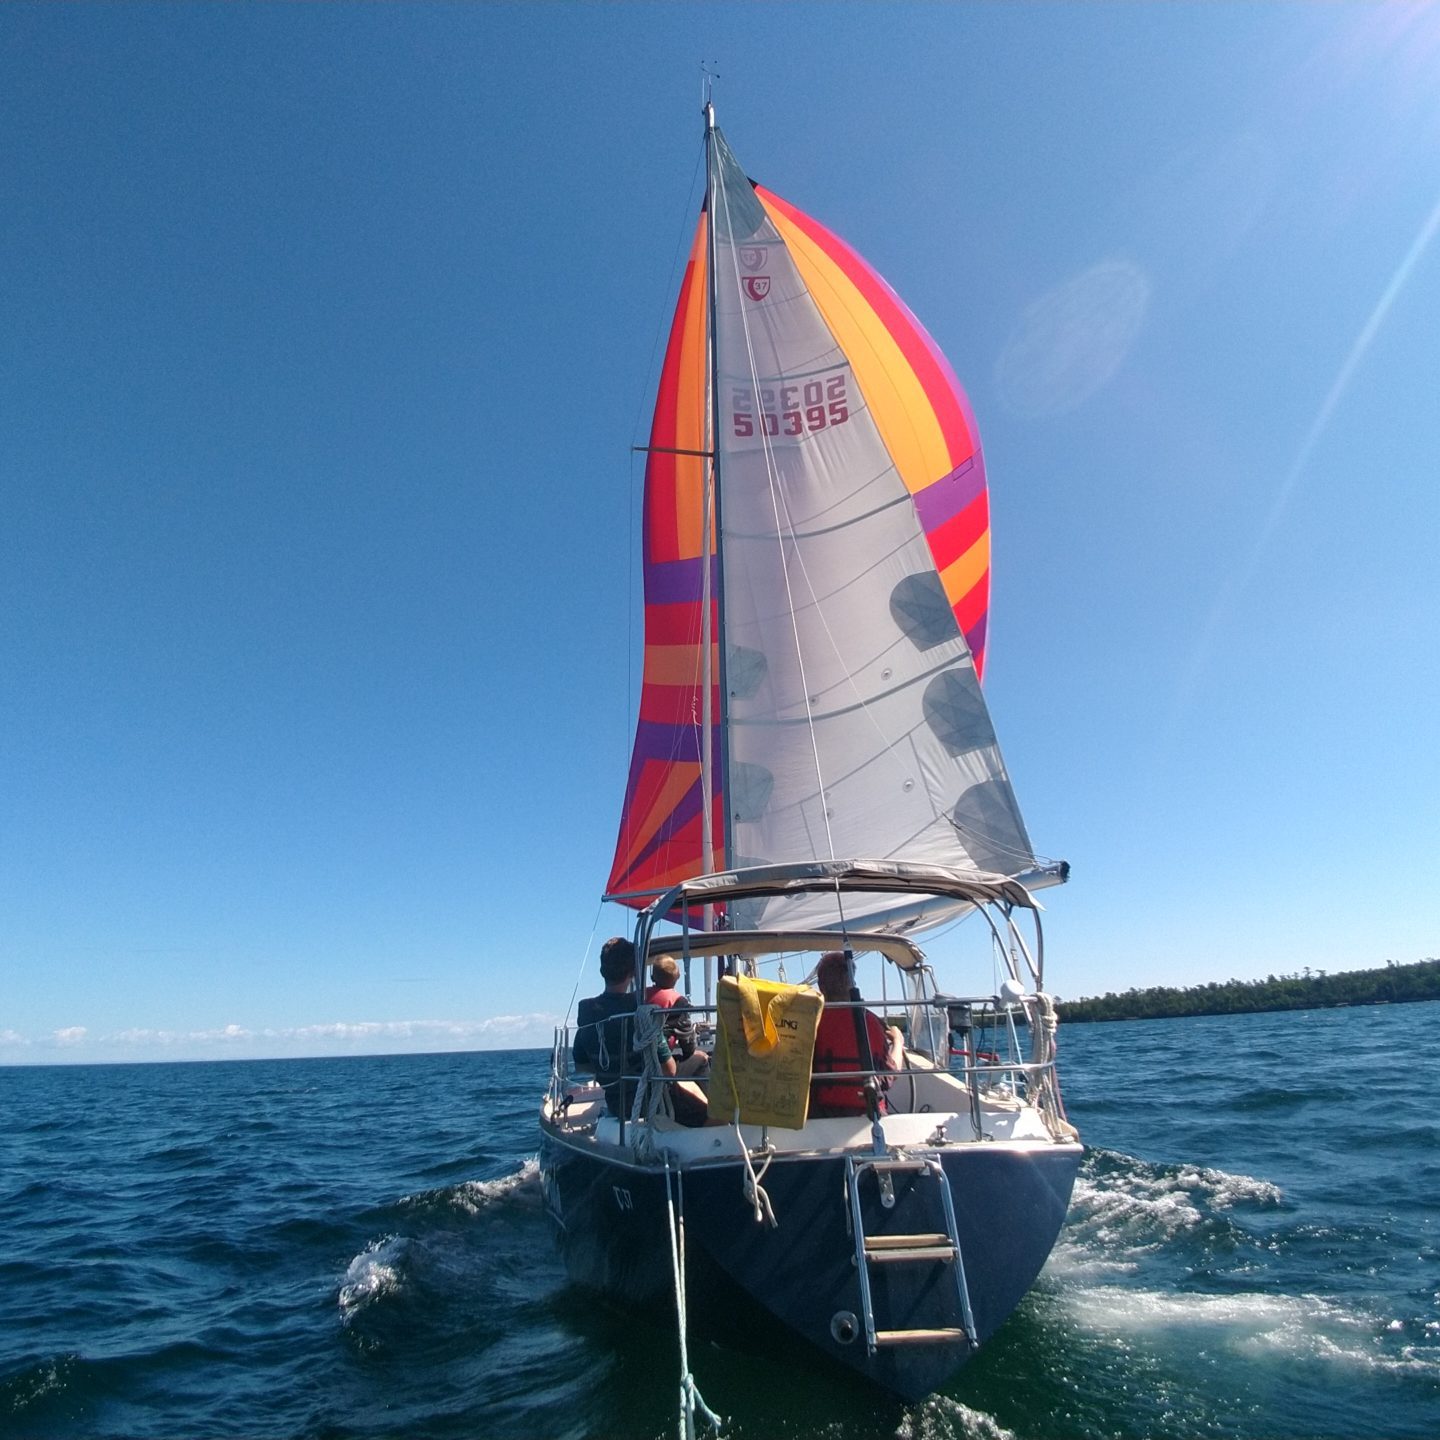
<point x="966" y="888"/>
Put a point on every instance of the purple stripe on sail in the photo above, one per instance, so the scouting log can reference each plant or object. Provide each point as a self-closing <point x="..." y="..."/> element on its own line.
<point x="947" y="497"/>
<point x="655" y="740"/>
<point x="975" y="635"/>
<point x="688" y="808"/>
<point x="666" y="744"/>
<point x="672" y="582"/>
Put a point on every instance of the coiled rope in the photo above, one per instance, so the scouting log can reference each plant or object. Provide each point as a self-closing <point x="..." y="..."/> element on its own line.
<point x="1052" y="1110"/>
<point x="754" y="1191"/>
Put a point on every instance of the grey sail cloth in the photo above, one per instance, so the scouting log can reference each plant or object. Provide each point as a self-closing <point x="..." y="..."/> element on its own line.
<point x="855" y="723"/>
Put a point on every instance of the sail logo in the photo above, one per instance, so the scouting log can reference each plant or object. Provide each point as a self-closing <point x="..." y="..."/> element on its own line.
<point x="752" y="257"/>
<point x="757" y="287"/>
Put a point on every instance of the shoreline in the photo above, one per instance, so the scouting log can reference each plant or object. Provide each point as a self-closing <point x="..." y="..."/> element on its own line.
<point x="1347" y="989"/>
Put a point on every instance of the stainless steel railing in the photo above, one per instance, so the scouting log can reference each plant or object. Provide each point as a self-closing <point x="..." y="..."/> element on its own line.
<point x="982" y="1072"/>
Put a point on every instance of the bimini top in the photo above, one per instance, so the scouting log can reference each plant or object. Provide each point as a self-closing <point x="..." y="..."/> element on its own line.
<point x="956" y="889"/>
<point x="898" y="949"/>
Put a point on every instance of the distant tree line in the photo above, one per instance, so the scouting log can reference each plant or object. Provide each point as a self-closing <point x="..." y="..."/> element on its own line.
<point x="1308" y="990"/>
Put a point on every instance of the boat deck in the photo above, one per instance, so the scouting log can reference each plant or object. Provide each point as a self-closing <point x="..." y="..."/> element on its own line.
<point x="926" y="1107"/>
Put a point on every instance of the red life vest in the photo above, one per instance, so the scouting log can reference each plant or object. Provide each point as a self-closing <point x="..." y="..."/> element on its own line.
<point x="836" y="1048"/>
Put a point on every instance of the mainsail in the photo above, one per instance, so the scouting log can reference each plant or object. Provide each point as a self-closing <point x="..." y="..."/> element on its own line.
<point x="847" y="549"/>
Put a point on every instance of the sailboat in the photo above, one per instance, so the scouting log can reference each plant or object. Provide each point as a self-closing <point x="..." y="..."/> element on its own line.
<point x="815" y="773"/>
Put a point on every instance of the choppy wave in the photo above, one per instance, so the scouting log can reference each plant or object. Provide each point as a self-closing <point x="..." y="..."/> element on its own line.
<point x="520" y="1189"/>
<point x="32" y="1384"/>
<point x="456" y="1269"/>
<point x="1125" y="1209"/>
<point x="942" y="1418"/>
<point x="1183" y="1268"/>
<point x="372" y="1275"/>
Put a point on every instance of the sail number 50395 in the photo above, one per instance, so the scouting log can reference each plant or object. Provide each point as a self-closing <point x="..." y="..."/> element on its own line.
<point x="791" y="409"/>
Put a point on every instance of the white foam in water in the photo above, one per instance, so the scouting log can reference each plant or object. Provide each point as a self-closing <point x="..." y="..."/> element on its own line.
<point x="373" y="1273"/>
<point x="1250" y="1317"/>
<point x="1112" y="1228"/>
<point x="1071" y="1263"/>
<point x="1321" y="1331"/>
<point x="51" y="1378"/>
<point x="941" y="1418"/>
<point x="1260" y="1326"/>
<point x="1123" y="1222"/>
<point x="1224" y="1190"/>
<point x="1159" y="1202"/>
<point x="1143" y="1208"/>
<point x="523" y="1187"/>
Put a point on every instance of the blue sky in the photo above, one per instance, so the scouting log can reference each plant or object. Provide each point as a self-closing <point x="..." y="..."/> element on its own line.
<point x="326" y="333"/>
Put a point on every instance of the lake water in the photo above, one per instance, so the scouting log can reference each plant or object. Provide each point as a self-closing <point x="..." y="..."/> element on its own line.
<point x="334" y="1248"/>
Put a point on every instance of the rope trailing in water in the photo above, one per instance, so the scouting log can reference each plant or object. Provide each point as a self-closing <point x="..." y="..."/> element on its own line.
<point x="691" y="1400"/>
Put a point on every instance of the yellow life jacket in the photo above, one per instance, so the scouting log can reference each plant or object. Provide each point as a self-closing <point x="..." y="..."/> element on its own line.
<point x="764" y="1050"/>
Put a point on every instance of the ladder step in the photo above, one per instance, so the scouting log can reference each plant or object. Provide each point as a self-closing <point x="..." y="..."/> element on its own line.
<point x="933" y="1254"/>
<point x="931" y="1248"/>
<point x="905" y="1242"/>
<point x="920" y="1337"/>
<point x="891" y="1166"/>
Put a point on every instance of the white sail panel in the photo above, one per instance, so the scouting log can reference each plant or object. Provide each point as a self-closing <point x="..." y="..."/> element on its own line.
<point x="855" y="724"/>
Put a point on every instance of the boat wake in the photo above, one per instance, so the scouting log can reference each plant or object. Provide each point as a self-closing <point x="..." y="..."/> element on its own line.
<point x="1124" y="1210"/>
<point x="373" y="1274"/>
<point x="463" y="1259"/>
<point x="942" y="1418"/>
<point x="1260" y="1327"/>
<point x="1197" y="1296"/>
<point x="520" y="1190"/>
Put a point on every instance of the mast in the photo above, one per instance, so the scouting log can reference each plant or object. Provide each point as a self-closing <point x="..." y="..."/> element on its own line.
<point x="710" y="537"/>
<point x="707" y="719"/>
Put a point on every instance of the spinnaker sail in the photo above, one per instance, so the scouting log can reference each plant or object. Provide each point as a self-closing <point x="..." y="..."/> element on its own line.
<point x="846" y="538"/>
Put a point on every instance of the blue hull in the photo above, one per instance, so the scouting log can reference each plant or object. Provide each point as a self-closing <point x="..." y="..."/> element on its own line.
<point x="1009" y="1206"/>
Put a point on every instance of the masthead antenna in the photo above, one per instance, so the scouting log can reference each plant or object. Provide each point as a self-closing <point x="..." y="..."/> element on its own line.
<point x="708" y="77"/>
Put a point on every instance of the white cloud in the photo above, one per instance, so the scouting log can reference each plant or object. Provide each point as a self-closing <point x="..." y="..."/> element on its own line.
<point x="143" y="1037"/>
<point x="495" y="1028"/>
<point x="347" y="1037"/>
